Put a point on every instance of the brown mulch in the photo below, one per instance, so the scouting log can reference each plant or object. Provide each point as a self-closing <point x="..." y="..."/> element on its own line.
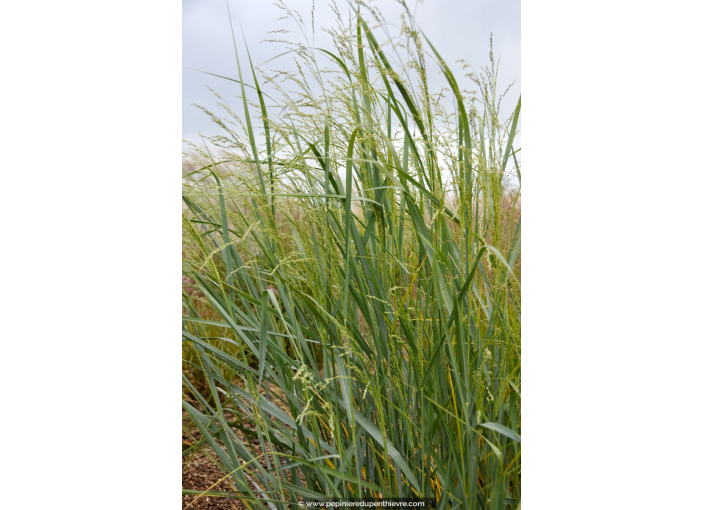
<point x="200" y="472"/>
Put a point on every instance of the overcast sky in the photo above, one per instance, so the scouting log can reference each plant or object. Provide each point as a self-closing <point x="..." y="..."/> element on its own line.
<point x="459" y="29"/>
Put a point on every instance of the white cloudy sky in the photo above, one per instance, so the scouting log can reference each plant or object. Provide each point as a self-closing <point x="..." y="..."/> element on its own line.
<point x="459" y="29"/>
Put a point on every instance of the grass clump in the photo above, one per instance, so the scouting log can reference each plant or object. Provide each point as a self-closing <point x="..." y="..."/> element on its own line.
<point x="351" y="269"/>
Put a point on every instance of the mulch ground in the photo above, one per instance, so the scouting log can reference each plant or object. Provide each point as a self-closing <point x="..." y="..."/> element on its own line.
<point x="199" y="472"/>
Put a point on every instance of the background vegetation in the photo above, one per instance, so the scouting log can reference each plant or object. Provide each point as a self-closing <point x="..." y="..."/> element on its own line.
<point x="351" y="265"/>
